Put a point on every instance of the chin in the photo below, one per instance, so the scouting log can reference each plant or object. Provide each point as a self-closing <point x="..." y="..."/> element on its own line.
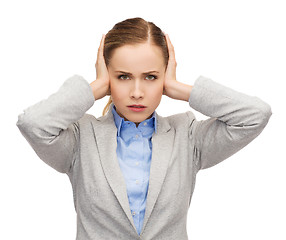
<point x="141" y="118"/>
<point x="137" y="120"/>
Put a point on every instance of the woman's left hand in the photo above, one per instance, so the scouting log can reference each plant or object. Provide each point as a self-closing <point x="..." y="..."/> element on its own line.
<point x="173" y="88"/>
<point x="170" y="74"/>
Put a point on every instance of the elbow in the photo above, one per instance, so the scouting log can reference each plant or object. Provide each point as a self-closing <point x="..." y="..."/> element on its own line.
<point x="265" y="114"/>
<point x="268" y="111"/>
<point x="21" y="121"/>
<point x="259" y="113"/>
<point x="28" y="127"/>
<point x="24" y="122"/>
<point x="257" y="118"/>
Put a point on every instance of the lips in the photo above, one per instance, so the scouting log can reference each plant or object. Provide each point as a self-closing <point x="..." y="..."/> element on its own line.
<point x="137" y="106"/>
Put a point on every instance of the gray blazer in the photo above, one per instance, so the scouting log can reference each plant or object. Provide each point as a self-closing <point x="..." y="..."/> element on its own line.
<point x="84" y="147"/>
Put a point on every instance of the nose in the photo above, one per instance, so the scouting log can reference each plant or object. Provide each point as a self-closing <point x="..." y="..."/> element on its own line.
<point x="137" y="90"/>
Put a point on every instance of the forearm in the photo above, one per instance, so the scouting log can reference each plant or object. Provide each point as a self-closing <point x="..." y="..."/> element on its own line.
<point x="230" y="106"/>
<point x="60" y="109"/>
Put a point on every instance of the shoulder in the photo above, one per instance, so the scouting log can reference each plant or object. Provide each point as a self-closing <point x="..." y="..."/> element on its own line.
<point x="89" y="121"/>
<point x="86" y="119"/>
<point x="180" y="119"/>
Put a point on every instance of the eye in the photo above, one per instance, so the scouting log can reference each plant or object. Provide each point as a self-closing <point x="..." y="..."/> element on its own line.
<point x="152" y="77"/>
<point x="123" y="77"/>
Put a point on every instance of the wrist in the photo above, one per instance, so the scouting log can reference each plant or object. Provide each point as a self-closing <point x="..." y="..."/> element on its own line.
<point x="97" y="89"/>
<point x="178" y="90"/>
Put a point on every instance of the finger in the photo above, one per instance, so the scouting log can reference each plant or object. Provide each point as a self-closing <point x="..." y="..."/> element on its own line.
<point x="171" y="49"/>
<point x="101" y="47"/>
<point x="102" y="42"/>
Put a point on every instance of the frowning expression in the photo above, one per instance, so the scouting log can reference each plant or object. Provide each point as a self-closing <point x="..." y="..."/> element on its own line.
<point x="136" y="78"/>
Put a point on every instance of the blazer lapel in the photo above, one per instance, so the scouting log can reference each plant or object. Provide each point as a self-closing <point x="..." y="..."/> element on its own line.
<point x="162" y="145"/>
<point x="106" y="138"/>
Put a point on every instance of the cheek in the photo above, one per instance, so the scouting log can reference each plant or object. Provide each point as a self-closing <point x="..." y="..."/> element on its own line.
<point x="118" y="92"/>
<point x="156" y="91"/>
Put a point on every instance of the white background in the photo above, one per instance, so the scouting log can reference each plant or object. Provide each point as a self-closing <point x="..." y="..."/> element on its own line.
<point x="240" y="44"/>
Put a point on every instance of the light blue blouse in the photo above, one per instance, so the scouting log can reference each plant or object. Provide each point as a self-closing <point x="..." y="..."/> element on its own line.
<point x="134" y="151"/>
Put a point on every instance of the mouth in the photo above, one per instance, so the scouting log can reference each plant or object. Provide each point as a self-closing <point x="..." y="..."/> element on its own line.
<point x="136" y="106"/>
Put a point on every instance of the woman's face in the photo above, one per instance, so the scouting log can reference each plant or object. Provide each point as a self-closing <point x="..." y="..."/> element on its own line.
<point x="136" y="78"/>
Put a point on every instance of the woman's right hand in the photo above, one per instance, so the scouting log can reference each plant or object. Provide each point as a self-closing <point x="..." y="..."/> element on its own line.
<point x="101" y="86"/>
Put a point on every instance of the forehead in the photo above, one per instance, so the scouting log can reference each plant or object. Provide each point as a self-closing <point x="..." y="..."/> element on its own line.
<point x="139" y="57"/>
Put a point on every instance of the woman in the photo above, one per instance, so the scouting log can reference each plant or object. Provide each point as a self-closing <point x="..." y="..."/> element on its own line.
<point x="132" y="171"/>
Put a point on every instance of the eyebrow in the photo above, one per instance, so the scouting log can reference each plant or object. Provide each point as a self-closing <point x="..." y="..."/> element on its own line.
<point x="132" y="74"/>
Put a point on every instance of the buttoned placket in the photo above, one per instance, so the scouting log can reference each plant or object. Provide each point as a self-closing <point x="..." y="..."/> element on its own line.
<point x="138" y="136"/>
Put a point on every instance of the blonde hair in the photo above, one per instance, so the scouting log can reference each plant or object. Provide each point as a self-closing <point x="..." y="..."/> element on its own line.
<point x="133" y="31"/>
<point x="107" y="106"/>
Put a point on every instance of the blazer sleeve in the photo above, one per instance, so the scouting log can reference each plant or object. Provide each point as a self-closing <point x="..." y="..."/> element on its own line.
<point x="51" y="125"/>
<point x="235" y="120"/>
